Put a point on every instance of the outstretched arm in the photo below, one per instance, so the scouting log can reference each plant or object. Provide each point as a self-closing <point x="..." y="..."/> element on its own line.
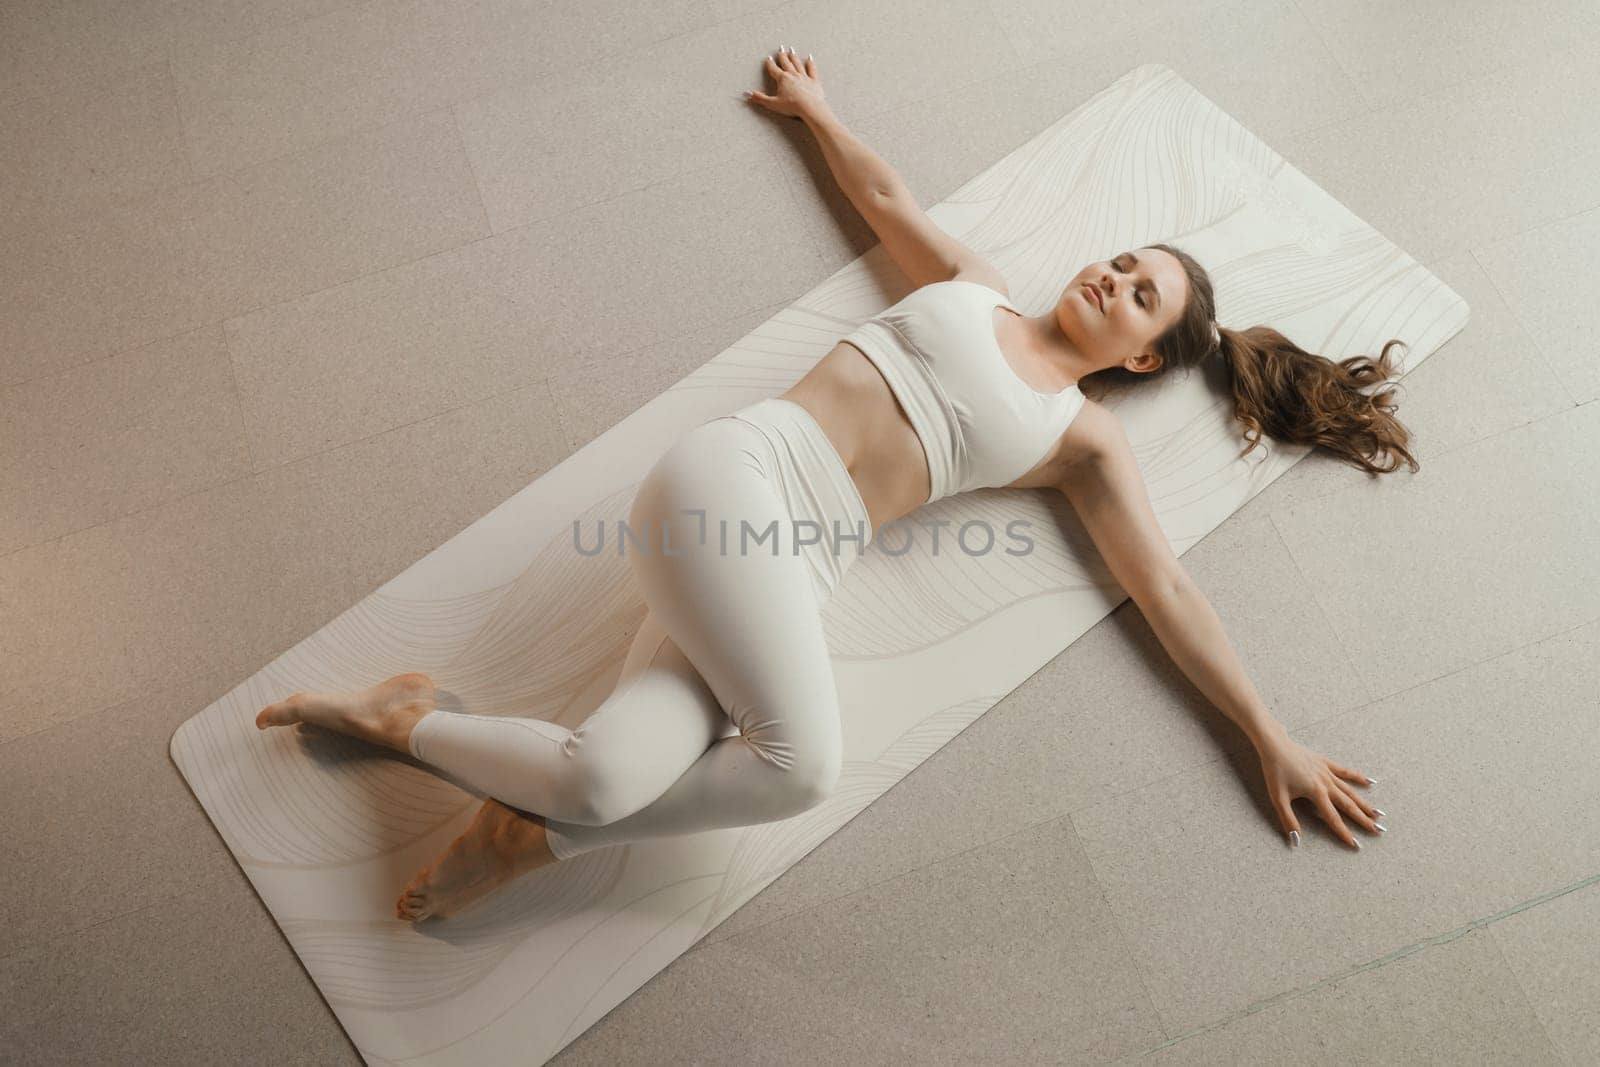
<point x="1107" y="491"/>
<point x="922" y="251"/>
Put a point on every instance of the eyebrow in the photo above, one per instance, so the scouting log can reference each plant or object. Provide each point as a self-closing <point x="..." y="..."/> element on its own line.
<point x="1135" y="257"/>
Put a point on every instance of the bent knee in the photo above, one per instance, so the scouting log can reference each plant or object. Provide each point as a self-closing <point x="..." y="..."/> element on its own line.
<point x="811" y="783"/>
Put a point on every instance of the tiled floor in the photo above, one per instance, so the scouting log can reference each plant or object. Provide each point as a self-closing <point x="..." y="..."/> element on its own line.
<point x="294" y="290"/>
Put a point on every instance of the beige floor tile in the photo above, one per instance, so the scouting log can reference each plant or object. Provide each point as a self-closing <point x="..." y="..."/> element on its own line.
<point x="1551" y="948"/>
<point x="198" y="978"/>
<point x="70" y="153"/>
<point x="52" y="48"/>
<point x="725" y="1007"/>
<point x="372" y="63"/>
<point x="1489" y="378"/>
<point x="1489" y="547"/>
<point x="1041" y="28"/>
<point x="196" y="254"/>
<point x="236" y="574"/>
<point x="1394" y="52"/>
<point x="536" y="301"/>
<point x="1080" y="48"/>
<point x="1455" y="1002"/>
<point x="543" y="149"/>
<point x="1479" y="774"/>
<point x="116" y="436"/>
<point x="597" y="395"/>
<point x="99" y="824"/>
<point x="1458" y="168"/>
<point x="1550" y="278"/>
<point x="1005" y="953"/>
<point x="877" y="57"/>
<point x="1110" y="715"/>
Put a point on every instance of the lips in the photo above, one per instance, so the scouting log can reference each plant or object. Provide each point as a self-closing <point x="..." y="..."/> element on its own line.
<point x="1094" y="297"/>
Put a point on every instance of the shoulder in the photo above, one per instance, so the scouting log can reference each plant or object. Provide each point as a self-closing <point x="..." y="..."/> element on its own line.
<point x="984" y="273"/>
<point x="1094" y="441"/>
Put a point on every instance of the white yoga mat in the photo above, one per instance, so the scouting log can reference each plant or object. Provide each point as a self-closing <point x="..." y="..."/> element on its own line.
<point x="509" y="619"/>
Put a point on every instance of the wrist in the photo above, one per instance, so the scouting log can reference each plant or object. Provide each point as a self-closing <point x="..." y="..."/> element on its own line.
<point x="819" y="115"/>
<point x="1269" y="735"/>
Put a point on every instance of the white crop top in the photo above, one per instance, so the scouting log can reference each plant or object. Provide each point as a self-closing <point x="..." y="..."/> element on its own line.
<point x="980" y="425"/>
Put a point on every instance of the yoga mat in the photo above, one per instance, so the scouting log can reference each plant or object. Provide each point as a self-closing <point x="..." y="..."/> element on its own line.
<point x="510" y="619"/>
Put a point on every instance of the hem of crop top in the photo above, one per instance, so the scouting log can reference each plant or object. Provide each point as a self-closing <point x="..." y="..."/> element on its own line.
<point x="861" y="340"/>
<point x="857" y="339"/>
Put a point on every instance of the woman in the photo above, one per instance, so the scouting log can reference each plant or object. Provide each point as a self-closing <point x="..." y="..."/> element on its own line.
<point x="949" y="390"/>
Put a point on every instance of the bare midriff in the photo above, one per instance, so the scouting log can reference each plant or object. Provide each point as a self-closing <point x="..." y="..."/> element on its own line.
<point x="869" y="429"/>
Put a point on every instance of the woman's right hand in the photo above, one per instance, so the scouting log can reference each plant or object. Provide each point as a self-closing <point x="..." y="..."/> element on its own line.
<point x="799" y="92"/>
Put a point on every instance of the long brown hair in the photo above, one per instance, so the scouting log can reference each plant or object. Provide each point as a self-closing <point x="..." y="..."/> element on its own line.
<point x="1280" y="389"/>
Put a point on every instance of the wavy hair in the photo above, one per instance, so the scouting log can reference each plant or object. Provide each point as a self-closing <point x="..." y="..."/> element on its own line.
<point x="1281" y="390"/>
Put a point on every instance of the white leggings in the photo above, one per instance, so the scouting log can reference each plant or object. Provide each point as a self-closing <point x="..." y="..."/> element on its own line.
<point x="732" y="633"/>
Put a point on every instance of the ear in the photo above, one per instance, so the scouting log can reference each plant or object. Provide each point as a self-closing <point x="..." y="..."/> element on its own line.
<point x="1144" y="362"/>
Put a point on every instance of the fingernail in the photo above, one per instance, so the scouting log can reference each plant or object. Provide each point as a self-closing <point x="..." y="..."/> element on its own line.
<point x="1382" y="829"/>
<point x="1381" y="812"/>
<point x="1372" y="781"/>
<point x="1357" y="840"/>
<point x="808" y="56"/>
<point x="1294" y="838"/>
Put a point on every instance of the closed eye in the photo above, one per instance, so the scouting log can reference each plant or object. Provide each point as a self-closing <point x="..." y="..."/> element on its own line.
<point x="1138" y="296"/>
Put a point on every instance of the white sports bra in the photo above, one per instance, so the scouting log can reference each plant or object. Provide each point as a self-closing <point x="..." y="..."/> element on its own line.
<point x="980" y="425"/>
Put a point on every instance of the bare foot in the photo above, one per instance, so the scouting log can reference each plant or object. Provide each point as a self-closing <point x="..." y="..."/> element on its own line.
<point x="501" y="844"/>
<point x="383" y="714"/>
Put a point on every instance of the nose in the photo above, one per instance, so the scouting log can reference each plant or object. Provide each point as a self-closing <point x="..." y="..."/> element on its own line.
<point x="1108" y="283"/>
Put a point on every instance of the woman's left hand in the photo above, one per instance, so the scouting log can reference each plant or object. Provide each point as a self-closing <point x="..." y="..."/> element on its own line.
<point x="1293" y="770"/>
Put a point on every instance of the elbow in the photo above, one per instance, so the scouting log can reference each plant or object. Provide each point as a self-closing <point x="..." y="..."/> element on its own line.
<point x="1169" y="587"/>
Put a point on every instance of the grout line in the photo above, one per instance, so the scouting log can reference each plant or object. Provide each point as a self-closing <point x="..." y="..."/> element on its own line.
<point x="61" y="936"/>
<point x="1531" y="65"/>
<point x="472" y="170"/>
<point x="244" y="430"/>
<point x="701" y="164"/>
<point x="544" y="378"/>
<point x="184" y="144"/>
<point x="1322" y="610"/>
<point x="1411" y="949"/>
<point x="1533" y="1010"/>
<point x="451" y="107"/>
<point x="277" y="466"/>
<point x="1229" y="750"/>
<point x="1122" y="933"/>
<point x="1544" y="357"/>
<point x="408" y="113"/>
<point x="1328" y="51"/>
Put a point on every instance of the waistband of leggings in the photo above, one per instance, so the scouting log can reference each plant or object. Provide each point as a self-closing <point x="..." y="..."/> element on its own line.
<point x="780" y="415"/>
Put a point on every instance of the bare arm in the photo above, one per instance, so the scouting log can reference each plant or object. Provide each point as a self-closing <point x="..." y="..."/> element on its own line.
<point x="1107" y="491"/>
<point x="923" y="251"/>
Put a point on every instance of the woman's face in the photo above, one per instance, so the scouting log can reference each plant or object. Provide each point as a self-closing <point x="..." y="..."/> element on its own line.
<point x="1141" y="294"/>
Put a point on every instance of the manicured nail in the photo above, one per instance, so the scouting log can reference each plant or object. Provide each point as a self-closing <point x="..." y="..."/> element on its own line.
<point x="1294" y="838"/>
<point x="1382" y="829"/>
<point x="1381" y="812"/>
<point x="808" y="57"/>
<point x="1372" y="781"/>
<point x="1357" y="840"/>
